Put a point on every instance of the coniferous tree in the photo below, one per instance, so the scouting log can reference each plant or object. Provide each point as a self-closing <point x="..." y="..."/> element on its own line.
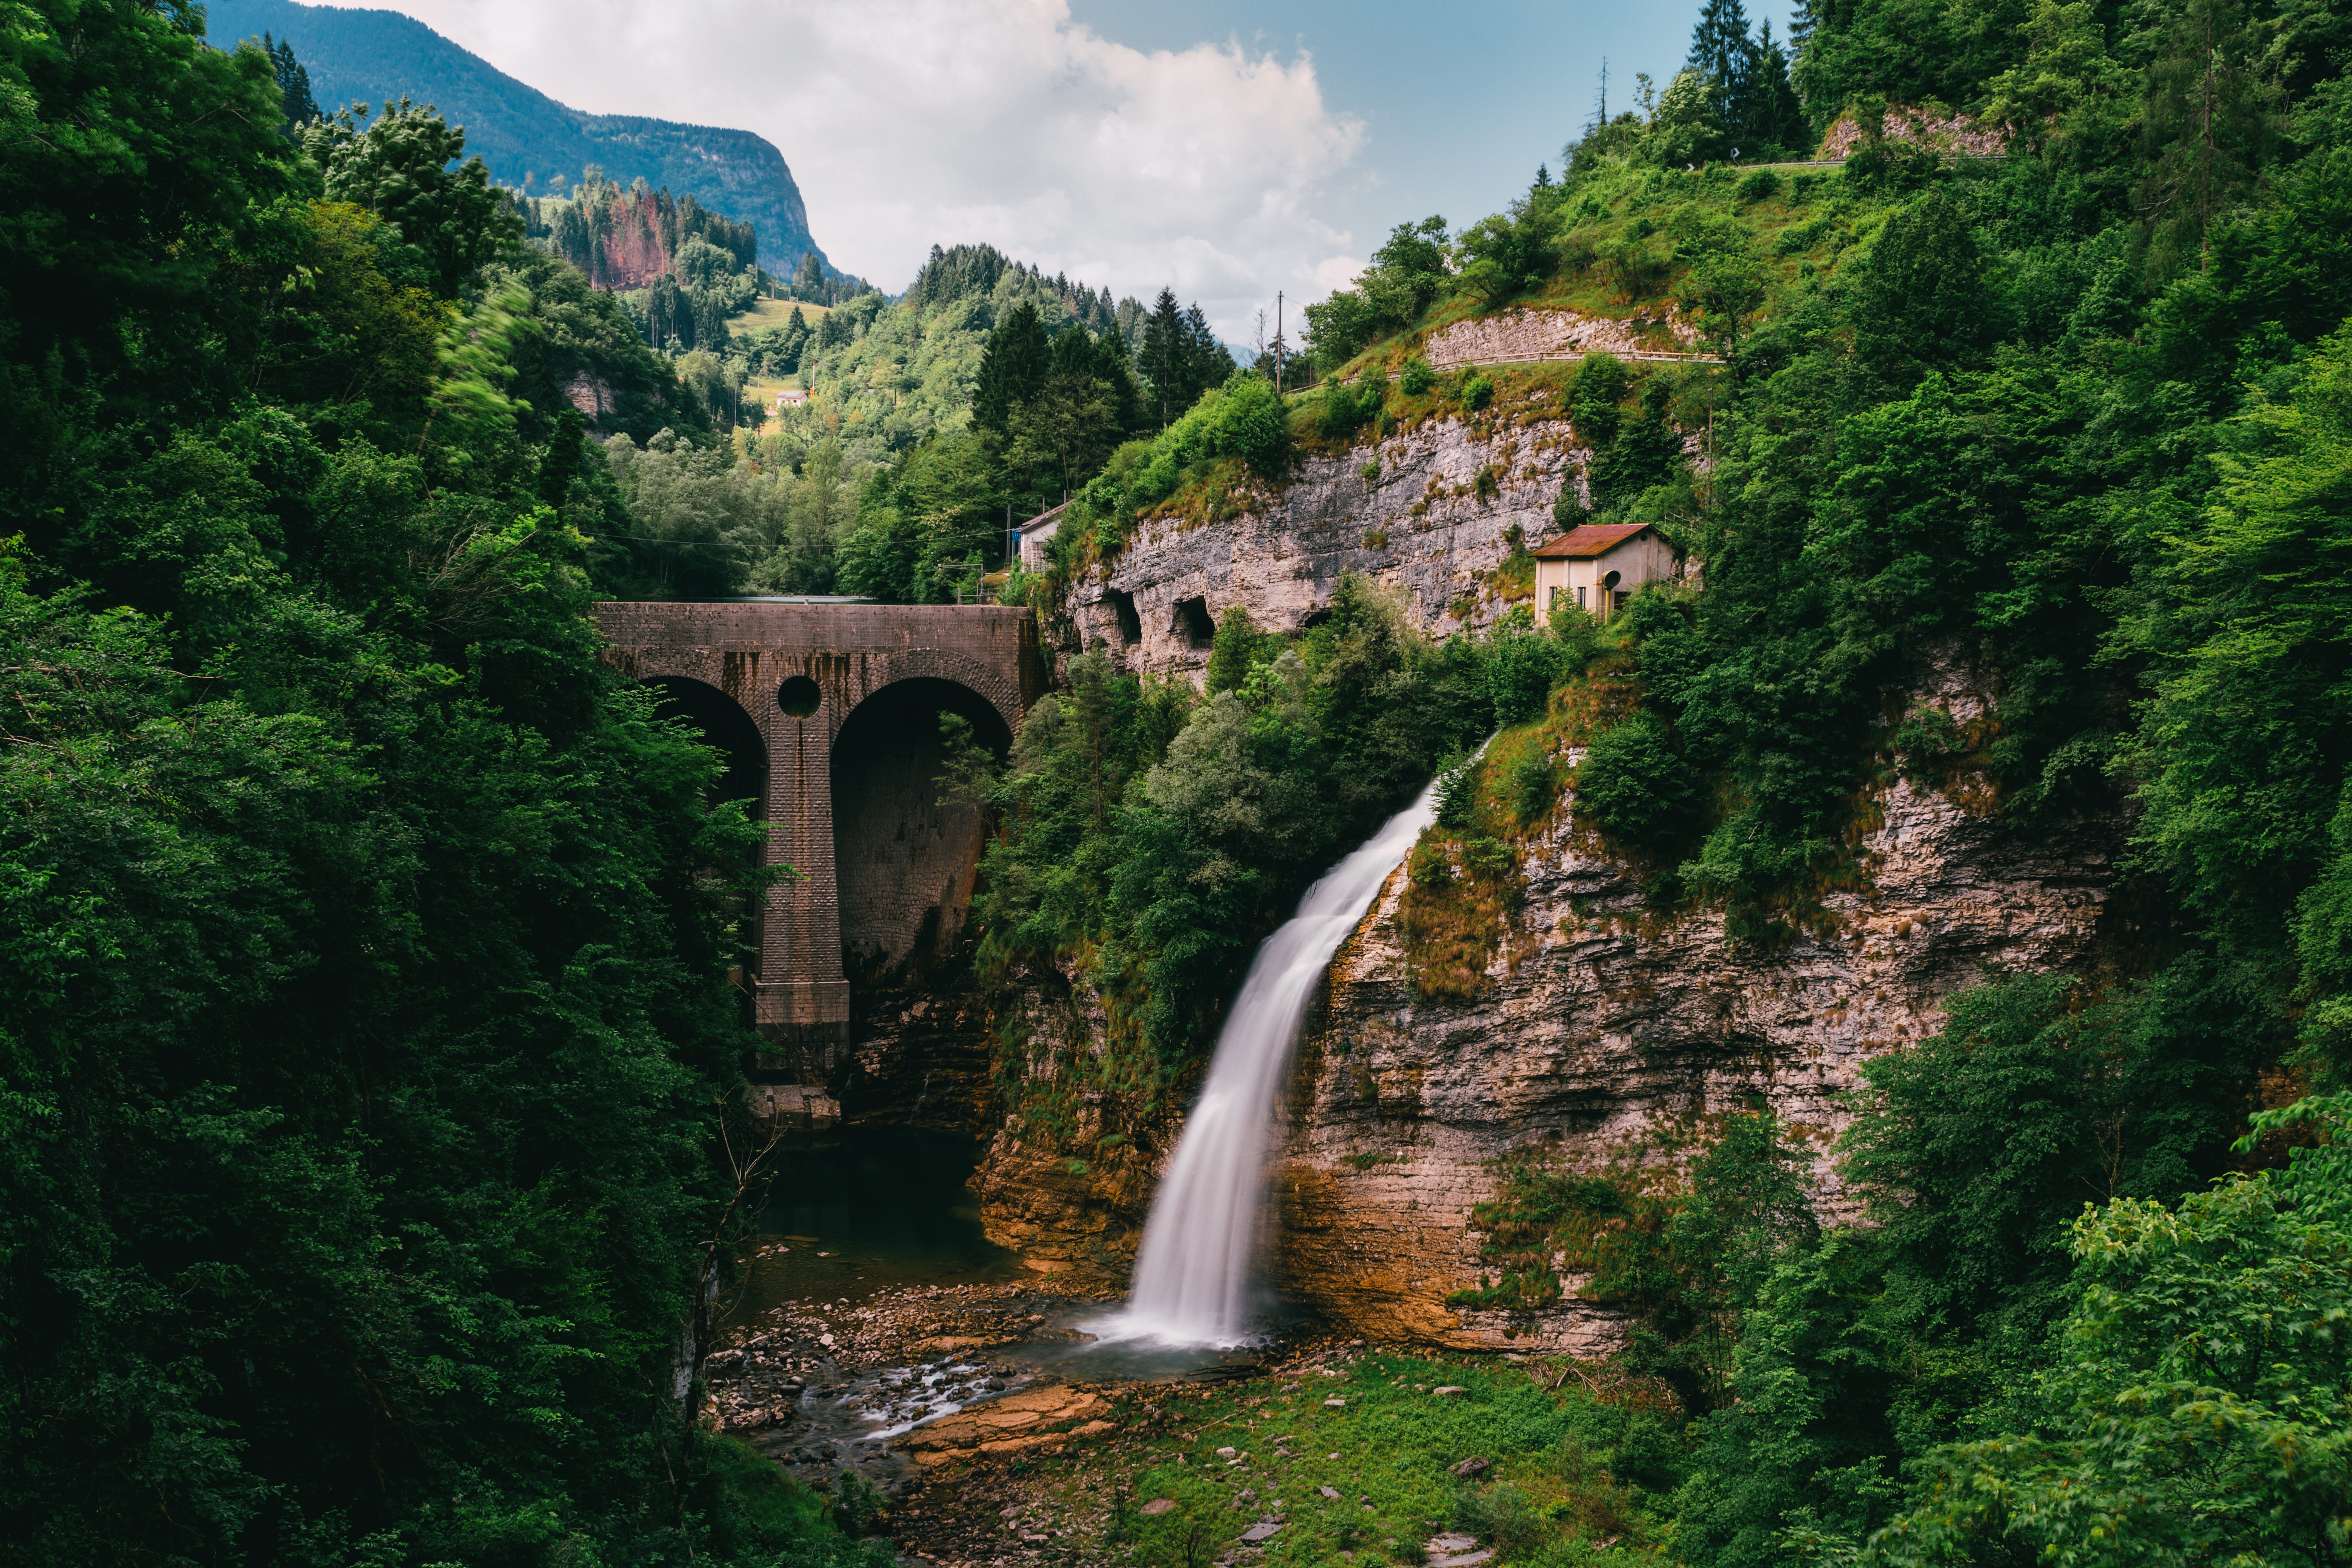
<point x="1164" y="356"/>
<point x="808" y="282"/>
<point x="1723" y="52"/>
<point x="1013" y="365"/>
<point x="293" y="85"/>
<point x="1720" y="42"/>
<point x="1770" y="115"/>
<point x="2208" y="126"/>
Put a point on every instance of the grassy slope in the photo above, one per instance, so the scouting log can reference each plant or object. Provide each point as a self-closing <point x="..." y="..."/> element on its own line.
<point x="1808" y="229"/>
<point x="910" y="374"/>
<point x="1565" y="1476"/>
<point x="1806" y="233"/>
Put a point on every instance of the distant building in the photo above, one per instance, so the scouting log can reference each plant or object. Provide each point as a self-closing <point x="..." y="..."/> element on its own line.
<point x="1597" y="567"/>
<point x="1029" y="539"/>
<point x="790" y="397"/>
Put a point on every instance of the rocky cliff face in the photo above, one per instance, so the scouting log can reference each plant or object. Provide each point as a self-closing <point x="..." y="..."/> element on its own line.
<point x="1597" y="1028"/>
<point x="376" y="55"/>
<point x="1600" y="1031"/>
<point x="1428" y="512"/>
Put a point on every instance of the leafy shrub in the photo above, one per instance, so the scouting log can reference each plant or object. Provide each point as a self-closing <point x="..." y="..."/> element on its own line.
<point x="1457" y="794"/>
<point x="1578" y="251"/>
<point x="1631" y="267"/>
<point x="1346" y="409"/>
<point x="1521" y="667"/>
<point x="1758" y="187"/>
<point x="1634" y="786"/>
<point x="1568" y="509"/>
<point x="1248" y="421"/>
<point x="1477" y="392"/>
<point x="1528" y="784"/>
<point x="1601" y="383"/>
<point x="1417" y="377"/>
<point x="1233" y="651"/>
<point x="1577" y="631"/>
<point x="1501" y="1513"/>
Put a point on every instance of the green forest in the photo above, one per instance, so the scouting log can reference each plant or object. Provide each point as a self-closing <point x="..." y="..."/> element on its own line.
<point x="367" y="1071"/>
<point x="372" y="1094"/>
<point x="2073" y="410"/>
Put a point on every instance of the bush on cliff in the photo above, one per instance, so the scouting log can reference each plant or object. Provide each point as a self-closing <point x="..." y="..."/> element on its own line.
<point x="1636" y="786"/>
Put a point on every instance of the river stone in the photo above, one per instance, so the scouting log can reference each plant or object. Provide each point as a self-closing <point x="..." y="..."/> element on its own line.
<point x="1261" y="1530"/>
<point x="1468" y="1469"/>
<point x="1335" y="1405"/>
<point x="1160" y="1505"/>
<point x="1448" y="1391"/>
<point x="1329" y="1492"/>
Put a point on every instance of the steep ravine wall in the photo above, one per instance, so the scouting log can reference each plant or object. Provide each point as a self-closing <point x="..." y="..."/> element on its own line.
<point x="1423" y="525"/>
<point x="1599" y="1024"/>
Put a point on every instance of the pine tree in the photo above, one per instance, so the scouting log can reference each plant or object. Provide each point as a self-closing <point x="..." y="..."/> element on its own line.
<point x="293" y="85"/>
<point x="1207" y="361"/>
<point x="1013" y="365"/>
<point x="1720" y="48"/>
<point x="1164" y="356"/>
<point x="1771" y="117"/>
<point x="1723" y="52"/>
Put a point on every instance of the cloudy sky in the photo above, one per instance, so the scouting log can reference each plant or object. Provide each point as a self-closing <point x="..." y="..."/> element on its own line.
<point x="1229" y="149"/>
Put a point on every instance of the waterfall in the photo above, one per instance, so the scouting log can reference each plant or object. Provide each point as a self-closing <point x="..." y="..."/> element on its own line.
<point x="1193" y="1276"/>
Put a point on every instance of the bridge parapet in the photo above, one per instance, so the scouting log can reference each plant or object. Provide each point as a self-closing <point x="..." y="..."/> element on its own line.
<point x="801" y="673"/>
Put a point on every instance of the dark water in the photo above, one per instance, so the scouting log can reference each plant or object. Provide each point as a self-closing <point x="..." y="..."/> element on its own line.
<point x="856" y="1210"/>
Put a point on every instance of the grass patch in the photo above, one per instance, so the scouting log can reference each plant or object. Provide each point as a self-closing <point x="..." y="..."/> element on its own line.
<point x="765" y="313"/>
<point x="1560" y="1476"/>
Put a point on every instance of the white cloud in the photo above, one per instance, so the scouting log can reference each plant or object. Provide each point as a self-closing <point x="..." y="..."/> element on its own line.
<point x="910" y="122"/>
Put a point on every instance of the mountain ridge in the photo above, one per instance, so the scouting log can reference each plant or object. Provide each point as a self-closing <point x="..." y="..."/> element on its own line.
<point x="523" y="134"/>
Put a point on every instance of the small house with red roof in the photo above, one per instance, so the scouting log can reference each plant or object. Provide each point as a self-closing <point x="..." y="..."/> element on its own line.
<point x="1598" y="566"/>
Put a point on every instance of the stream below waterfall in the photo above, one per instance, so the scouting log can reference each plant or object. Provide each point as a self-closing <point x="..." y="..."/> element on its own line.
<point x="873" y="1304"/>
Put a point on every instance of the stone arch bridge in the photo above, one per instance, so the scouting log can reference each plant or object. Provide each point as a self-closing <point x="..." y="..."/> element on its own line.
<point x="829" y="717"/>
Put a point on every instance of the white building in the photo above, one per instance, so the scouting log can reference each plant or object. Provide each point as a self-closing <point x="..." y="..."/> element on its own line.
<point x="1030" y="538"/>
<point x="1597" y="567"/>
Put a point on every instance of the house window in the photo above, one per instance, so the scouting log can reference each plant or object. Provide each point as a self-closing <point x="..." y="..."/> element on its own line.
<point x="1580" y="599"/>
<point x="1619" y="596"/>
<point x="1555" y="596"/>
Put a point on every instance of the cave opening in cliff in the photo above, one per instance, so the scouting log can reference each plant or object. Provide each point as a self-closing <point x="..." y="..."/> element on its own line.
<point x="1194" y="625"/>
<point x="1122" y="609"/>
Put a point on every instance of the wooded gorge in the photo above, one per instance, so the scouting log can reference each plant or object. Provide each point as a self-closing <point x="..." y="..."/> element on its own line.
<point x="373" y="1094"/>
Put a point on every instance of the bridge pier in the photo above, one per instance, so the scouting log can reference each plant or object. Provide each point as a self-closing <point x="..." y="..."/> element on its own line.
<point x="799" y="672"/>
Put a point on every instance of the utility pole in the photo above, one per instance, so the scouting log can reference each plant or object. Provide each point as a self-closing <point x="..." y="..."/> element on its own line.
<point x="1278" y="343"/>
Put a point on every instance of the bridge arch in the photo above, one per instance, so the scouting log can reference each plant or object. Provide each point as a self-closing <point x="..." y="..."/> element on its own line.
<point x="727" y="727"/>
<point x="801" y="674"/>
<point x="904" y="855"/>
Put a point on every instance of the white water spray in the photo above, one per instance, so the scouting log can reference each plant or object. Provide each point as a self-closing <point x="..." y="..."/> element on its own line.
<point x="1193" y="1276"/>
